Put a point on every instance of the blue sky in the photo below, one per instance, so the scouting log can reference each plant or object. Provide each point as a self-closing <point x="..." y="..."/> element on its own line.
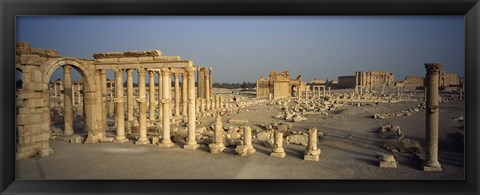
<point x="243" y="48"/>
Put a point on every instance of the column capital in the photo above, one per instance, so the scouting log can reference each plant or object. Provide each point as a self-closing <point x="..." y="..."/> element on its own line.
<point x="118" y="71"/>
<point x="190" y="70"/>
<point x="67" y="68"/>
<point x="176" y="74"/>
<point x="432" y="67"/>
<point x="165" y="71"/>
<point x="141" y="72"/>
<point x="129" y="71"/>
<point x="103" y="72"/>
<point x="151" y="72"/>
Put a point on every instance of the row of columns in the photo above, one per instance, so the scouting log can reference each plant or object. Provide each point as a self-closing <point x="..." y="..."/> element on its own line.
<point x="366" y="81"/>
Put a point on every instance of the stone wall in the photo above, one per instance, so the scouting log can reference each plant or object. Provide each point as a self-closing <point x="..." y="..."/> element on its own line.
<point x="346" y="82"/>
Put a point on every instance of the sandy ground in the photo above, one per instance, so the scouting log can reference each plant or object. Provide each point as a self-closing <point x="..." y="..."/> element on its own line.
<point x="349" y="151"/>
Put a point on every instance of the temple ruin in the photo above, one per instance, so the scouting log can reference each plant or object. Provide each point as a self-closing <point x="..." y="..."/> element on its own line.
<point x="279" y="86"/>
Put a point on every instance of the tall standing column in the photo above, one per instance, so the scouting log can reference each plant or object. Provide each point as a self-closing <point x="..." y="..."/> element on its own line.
<point x="177" y="95"/>
<point x="80" y="109"/>
<point x="151" y="98"/>
<point x="142" y="100"/>
<point x="103" y="87"/>
<point x="67" y="91"/>
<point x="192" y="142"/>
<point x="201" y="82"/>
<point x="184" y="92"/>
<point x="120" y="112"/>
<point x="432" y="111"/>
<point x="207" y="93"/>
<point x="356" y="82"/>
<point x="129" y="100"/>
<point x="167" y="109"/>
<point x="160" y="87"/>
<point x="73" y="94"/>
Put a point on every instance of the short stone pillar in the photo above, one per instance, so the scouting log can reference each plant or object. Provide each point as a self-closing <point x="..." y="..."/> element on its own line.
<point x="431" y="79"/>
<point x="247" y="147"/>
<point x="217" y="146"/>
<point x="191" y="142"/>
<point x="278" y="145"/>
<point x="312" y="152"/>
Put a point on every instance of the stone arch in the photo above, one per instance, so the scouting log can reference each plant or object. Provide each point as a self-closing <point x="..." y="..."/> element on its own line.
<point x="81" y="66"/>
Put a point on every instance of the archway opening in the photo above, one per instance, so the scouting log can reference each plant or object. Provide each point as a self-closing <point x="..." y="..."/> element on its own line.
<point x="66" y="97"/>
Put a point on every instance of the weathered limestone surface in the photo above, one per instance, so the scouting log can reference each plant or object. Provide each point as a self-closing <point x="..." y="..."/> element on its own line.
<point x="278" y="146"/>
<point x="218" y="145"/>
<point x="432" y="112"/>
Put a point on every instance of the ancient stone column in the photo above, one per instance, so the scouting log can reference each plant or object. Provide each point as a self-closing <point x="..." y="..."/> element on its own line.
<point x="110" y="103"/>
<point x="217" y="102"/>
<point x="151" y="99"/>
<point x="73" y="94"/>
<point x="89" y="97"/>
<point x="247" y="135"/>
<point x="356" y="82"/>
<point x="184" y="92"/>
<point x="201" y="82"/>
<point x="197" y="105"/>
<point x="431" y="163"/>
<point x="203" y="102"/>
<point x="217" y="146"/>
<point x="222" y="105"/>
<point x="80" y="111"/>
<point x="103" y="83"/>
<point x="160" y="88"/>
<point x="247" y="147"/>
<point x="278" y="145"/>
<point x="129" y="100"/>
<point x="328" y="90"/>
<point x="177" y="95"/>
<point x="120" y="114"/>
<point x="312" y="152"/>
<point x="55" y="92"/>
<point x="167" y="108"/>
<point x="207" y="93"/>
<point x="142" y="100"/>
<point x="68" y="118"/>
<point x="192" y="142"/>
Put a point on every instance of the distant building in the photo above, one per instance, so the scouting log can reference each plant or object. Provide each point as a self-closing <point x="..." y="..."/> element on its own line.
<point x="447" y="80"/>
<point x="316" y="82"/>
<point x="346" y="82"/>
<point x="279" y="86"/>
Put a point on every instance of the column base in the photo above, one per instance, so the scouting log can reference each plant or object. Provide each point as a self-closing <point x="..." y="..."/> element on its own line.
<point x="143" y="141"/>
<point x="216" y="148"/>
<point x="120" y="140"/>
<point x="432" y="168"/>
<point x="311" y="157"/>
<point x="166" y="144"/>
<point x="278" y="154"/>
<point x="191" y="146"/>
<point x="91" y="140"/>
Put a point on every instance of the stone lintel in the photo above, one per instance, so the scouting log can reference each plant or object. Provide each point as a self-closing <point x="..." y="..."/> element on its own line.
<point x="149" y="53"/>
<point x="150" y="65"/>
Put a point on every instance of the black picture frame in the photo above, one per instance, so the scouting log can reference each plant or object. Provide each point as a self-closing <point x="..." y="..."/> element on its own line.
<point x="10" y="9"/>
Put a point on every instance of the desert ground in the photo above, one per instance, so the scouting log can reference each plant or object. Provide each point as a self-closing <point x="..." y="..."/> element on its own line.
<point x="349" y="140"/>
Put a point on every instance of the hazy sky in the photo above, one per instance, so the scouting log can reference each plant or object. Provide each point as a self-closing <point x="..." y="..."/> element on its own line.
<point x="243" y="48"/>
